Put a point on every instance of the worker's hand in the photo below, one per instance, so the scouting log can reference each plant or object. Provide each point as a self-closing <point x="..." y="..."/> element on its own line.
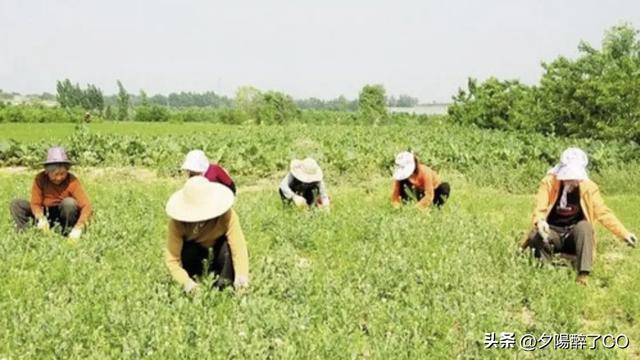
<point x="191" y="287"/>
<point x="543" y="229"/>
<point x="631" y="240"/>
<point x="299" y="201"/>
<point x="43" y="224"/>
<point x="241" y="282"/>
<point x="324" y="205"/>
<point x="75" y="233"/>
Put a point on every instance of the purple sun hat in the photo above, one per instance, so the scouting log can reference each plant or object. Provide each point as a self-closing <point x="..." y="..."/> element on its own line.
<point x="57" y="155"/>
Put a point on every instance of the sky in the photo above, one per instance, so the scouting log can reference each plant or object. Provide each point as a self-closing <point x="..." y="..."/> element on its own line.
<point x="426" y="49"/>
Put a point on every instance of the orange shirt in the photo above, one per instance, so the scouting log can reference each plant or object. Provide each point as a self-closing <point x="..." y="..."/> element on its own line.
<point x="44" y="193"/>
<point x="425" y="180"/>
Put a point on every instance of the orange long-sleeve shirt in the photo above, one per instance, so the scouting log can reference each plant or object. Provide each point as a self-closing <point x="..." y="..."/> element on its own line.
<point x="425" y="181"/>
<point x="44" y="193"/>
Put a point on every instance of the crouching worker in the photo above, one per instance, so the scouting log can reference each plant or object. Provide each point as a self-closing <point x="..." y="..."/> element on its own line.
<point x="196" y="163"/>
<point x="567" y="205"/>
<point x="413" y="180"/>
<point x="57" y="198"/>
<point x="303" y="185"/>
<point x="201" y="219"/>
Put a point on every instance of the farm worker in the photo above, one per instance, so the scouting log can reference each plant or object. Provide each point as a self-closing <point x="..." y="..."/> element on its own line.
<point x="196" y="163"/>
<point x="201" y="218"/>
<point x="57" y="197"/>
<point x="566" y="206"/>
<point x="414" y="179"/>
<point x="303" y="185"/>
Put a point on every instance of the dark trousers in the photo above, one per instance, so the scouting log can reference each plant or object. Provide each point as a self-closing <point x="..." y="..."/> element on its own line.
<point x="573" y="240"/>
<point x="220" y="264"/>
<point x="310" y="195"/>
<point x="64" y="214"/>
<point x="440" y="194"/>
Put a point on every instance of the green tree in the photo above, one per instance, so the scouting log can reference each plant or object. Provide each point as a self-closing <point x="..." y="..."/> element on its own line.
<point x="144" y="100"/>
<point x="372" y="104"/>
<point x="69" y="95"/>
<point x="108" y="113"/>
<point x="247" y="100"/>
<point x="596" y="95"/>
<point x="93" y="98"/>
<point x="276" y="108"/>
<point x="122" y="102"/>
<point x="493" y="104"/>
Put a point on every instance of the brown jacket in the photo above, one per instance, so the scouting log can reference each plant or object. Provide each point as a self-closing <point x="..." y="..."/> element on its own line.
<point x="590" y="200"/>
<point x="46" y="194"/>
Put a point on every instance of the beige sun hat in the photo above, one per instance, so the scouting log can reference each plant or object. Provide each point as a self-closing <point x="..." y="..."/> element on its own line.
<point x="306" y="170"/>
<point x="199" y="200"/>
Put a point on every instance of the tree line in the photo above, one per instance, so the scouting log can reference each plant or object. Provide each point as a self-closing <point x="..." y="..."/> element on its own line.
<point x="596" y="95"/>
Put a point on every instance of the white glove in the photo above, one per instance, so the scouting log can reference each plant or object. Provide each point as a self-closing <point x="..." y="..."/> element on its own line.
<point x="543" y="229"/>
<point x="241" y="281"/>
<point x="43" y="224"/>
<point x="324" y="205"/>
<point x="632" y="240"/>
<point x="75" y="234"/>
<point x="190" y="286"/>
<point x="299" y="201"/>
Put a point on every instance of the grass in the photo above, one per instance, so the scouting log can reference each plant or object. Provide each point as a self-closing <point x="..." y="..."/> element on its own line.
<point x="365" y="281"/>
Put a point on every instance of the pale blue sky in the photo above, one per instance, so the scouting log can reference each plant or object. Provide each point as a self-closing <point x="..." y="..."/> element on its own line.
<point x="322" y="48"/>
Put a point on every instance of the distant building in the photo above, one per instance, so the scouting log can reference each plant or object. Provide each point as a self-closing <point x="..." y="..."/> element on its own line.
<point x="423" y="109"/>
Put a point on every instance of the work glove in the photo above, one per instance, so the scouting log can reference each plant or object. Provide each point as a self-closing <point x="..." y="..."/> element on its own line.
<point x="324" y="205"/>
<point x="190" y="286"/>
<point x="299" y="201"/>
<point x="43" y="224"/>
<point x="543" y="230"/>
<point x="632" y="240"/>
<point x="241" y="281"/>
<point x="75" y="234"/>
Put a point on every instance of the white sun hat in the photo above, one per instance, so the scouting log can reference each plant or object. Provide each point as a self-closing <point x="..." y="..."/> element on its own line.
<point x="572" y="166"/>
<point x="199" y="200"/>
<point x="404" y="166"/>
<point x="196" y="161"/>
<point x="306" y="170"/>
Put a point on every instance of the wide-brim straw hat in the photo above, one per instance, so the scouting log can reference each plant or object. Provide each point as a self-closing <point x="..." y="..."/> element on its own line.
<point x="199" y="200"/>
<point x="56" y="155"/>
<point x="306" y="170"/>
<point x="404" y="166"/>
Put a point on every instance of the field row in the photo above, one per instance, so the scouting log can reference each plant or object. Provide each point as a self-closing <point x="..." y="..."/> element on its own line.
<point x="508" y="161"/>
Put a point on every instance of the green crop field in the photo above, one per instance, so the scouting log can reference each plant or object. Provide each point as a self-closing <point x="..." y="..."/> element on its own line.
<point x="59" y="131"/>
<point x="364" y="281"/>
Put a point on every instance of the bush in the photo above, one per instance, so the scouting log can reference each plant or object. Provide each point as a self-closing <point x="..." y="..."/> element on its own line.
<point x="594" y="96"/>
<point x="152" y="113"/>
